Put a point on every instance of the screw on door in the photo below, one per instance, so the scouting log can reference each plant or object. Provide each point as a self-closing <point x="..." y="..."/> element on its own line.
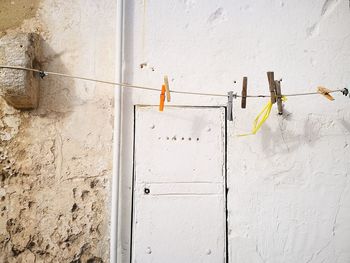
<point x="147" y="191"/>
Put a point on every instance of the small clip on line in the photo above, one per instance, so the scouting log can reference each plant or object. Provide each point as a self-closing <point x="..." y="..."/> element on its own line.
<point x="162" y="98"/>
<point x="43" y="74"/>
<point x="229" y="105"/>
<point x="167" y="90"/>
<point x="325" y="92"/>
<point x="279" y="96"/>
<point x="244" y="93"/>
<point x="345" y="92"/>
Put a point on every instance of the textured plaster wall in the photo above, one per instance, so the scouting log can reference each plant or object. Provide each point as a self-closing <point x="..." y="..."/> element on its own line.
<point x="56" y="161"/>
<point x="289" y="189"/>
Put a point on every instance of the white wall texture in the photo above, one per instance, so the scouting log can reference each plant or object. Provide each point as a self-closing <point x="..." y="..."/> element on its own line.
<point x="289" y="191"/>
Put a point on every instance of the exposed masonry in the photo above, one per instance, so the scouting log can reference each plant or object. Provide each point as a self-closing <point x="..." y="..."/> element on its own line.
<point x="55" y="160"/>
<point x="43" y="216"/>
<point x="20" y="88"/>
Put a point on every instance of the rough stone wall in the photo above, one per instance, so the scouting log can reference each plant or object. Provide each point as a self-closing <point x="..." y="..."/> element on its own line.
<point x="56" y="161"/>
<point x="20" y="88"/>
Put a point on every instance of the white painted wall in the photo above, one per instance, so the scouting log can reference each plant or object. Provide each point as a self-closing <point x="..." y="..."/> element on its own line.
<point x="289" y="197"/>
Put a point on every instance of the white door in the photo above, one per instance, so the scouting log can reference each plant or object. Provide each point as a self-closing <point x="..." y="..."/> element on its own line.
<point x="179" y="197"/>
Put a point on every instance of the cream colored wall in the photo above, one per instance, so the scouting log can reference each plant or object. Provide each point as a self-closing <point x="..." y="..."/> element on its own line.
<point x="56" y="161"/>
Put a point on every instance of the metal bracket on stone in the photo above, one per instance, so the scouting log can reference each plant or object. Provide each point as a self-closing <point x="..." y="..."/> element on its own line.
<point x="20" y="88"/>
<point x="42" y="74"/>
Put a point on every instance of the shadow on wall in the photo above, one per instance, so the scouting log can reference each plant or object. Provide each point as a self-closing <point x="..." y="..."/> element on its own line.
<point x="276" y="141"/>
<point x="57" y="94"/>
<point x="346" y="125"/>
<point x="284" y="140"/>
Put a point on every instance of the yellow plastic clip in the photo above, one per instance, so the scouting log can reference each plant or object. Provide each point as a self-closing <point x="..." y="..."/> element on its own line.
<point x="261" y="118"/>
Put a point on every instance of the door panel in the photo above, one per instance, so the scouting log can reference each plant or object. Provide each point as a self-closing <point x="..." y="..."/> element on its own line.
<point x="179" y="206"/>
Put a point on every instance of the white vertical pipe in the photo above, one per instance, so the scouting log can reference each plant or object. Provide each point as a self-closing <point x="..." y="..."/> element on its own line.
<point x="117" y="131"/>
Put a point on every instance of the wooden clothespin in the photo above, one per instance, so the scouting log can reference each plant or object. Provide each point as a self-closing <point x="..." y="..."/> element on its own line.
<point x="244" y="93"/>
<point x="167" y="89"/>
<point x="275" y="91"/>
<point x="279" y="96"/>
<point x="162" y="98"/>
<point x="271" y="79"/>
<point x="325" y="92"/>
<point x="230" y="106"/>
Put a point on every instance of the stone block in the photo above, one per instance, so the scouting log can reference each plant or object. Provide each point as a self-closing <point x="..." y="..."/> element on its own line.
<point x="20" y="88"/>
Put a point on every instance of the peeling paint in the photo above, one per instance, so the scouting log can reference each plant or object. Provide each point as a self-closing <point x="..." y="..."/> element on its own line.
<point x="56" y="161"/>
<point x="14" y="12"/>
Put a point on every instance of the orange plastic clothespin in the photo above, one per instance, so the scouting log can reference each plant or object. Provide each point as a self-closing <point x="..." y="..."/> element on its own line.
<point x="166" y="83"/>
<point x="162" y="98"/>
<point x="325" y="92"/>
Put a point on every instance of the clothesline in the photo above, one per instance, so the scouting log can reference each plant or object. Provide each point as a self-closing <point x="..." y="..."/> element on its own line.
<point x="48" y="73"/>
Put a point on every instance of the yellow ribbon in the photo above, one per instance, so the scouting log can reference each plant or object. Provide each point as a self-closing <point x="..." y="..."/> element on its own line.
<point x="261" y="118"/>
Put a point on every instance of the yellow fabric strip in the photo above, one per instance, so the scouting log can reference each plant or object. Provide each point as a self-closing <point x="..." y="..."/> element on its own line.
<point x="261" y="118"/>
